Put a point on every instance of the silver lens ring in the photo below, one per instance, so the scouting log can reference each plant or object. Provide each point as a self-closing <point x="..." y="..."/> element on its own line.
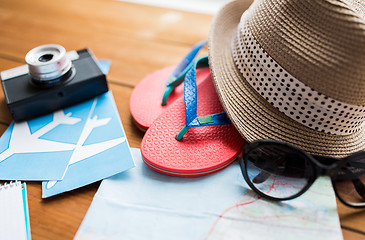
<point x="48" y="62"/>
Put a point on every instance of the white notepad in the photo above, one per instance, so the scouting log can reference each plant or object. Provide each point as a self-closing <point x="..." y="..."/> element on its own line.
<point x="14" y="215"/>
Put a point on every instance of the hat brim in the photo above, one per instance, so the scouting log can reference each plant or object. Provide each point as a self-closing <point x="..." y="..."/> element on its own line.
<point x="252" y="115"/>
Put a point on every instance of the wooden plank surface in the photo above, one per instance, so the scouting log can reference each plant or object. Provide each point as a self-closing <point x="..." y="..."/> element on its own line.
<point x="135" y="37"/>
<point x="138" y="40"/>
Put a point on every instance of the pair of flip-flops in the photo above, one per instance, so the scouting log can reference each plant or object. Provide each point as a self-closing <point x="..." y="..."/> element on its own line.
<point x="188" y="134"/>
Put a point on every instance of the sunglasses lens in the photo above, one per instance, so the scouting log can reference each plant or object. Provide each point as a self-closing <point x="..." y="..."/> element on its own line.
<point x="349" y="181"/>
<point x="278" y="170"/>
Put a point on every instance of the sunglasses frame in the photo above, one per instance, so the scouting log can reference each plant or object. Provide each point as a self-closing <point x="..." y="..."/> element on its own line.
<point x="318" y="168"/>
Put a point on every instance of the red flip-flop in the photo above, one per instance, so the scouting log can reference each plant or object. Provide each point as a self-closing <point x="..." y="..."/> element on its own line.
<point x="205" y="144"/>
<point x="160" y="89"/>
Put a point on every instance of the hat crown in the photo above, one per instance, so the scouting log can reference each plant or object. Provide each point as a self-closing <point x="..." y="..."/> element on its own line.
<point x="236" y="36"/>
<point x="319" y="42"/>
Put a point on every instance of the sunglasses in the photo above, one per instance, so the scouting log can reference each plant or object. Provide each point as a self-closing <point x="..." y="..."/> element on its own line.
<point x="280" y="171"/>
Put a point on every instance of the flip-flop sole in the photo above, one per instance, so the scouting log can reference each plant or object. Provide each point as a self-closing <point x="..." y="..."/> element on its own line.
<point x="202" y="150"/>
<point x="187" y="174"/>
<point x="145" y="101"/>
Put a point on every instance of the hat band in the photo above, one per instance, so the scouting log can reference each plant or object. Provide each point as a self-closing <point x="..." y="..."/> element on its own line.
<point x="286" y="93"/>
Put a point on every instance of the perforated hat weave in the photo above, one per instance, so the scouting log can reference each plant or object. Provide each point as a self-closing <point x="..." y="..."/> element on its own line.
<point x="317" y="48"/>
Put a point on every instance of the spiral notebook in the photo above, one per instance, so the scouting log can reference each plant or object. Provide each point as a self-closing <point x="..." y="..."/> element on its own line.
<point x="14" y="215"/>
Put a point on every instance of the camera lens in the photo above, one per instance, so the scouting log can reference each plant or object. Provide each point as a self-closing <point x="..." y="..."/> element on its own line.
<point x="49" y="65"/>
<point x="45" y="58"/>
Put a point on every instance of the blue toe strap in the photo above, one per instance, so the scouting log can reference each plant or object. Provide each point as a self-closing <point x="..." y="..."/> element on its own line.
<point x="190" y="98"/>
<point x="178" y="75"/>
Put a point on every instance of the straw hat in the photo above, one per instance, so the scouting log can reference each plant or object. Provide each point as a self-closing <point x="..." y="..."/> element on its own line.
<point x="294" y="71"/>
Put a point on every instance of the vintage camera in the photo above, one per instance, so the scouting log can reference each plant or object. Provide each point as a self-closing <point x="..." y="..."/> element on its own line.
<point x="51" y="80"/>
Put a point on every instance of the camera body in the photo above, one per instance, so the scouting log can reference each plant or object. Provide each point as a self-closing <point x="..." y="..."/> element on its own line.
<point x="52" y="80"/>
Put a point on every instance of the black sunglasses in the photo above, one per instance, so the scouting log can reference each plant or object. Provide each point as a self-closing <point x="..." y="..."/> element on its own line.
<point x="280" y="171"/>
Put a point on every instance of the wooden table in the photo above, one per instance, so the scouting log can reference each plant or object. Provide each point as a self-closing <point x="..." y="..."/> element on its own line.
<point x="138" y="40"/>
